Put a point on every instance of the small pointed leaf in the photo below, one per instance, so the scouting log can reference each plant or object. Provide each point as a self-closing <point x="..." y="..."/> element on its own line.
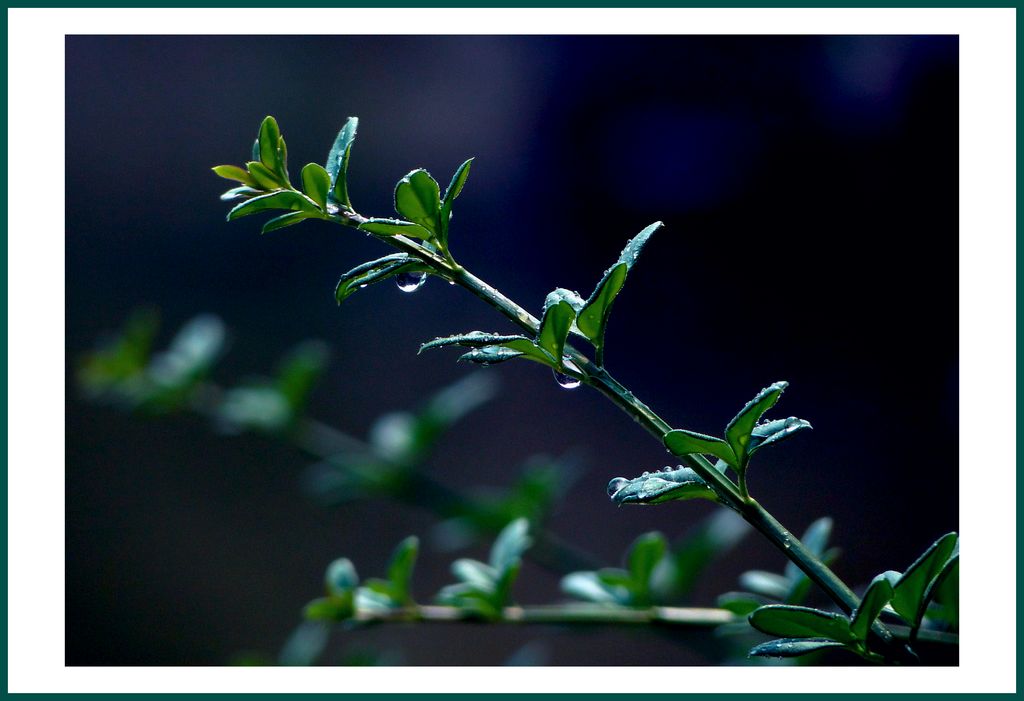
<point x="768" y="584"/>
<point x="417" y="198"/>
<point x="475" y="573"/>
<point x="682" y="442"/>
<point x="658" y="487"/>
<point x="554" y="325"/>
<point x="285" y="220"/>
<point x="337" y="162"/>
<point x="265" y="178"/>
<point x="374" y="271"/>
<point x="792" y="647"/>
<point x="878" y="594"/>
<point x="909" y="590"/>
<point x="742" y="425"/>
<point x="341" y="577"/>
<point x="772" y="432"/>
<point x="269" y="136"/>
<point x="317" y="183"/>
<point x="235" y="173"/>
<point x="490" y="355"/>
<point x="283" y="199"/>
<point x="589" y="587"/>
<point x="646" y="551"/>
<point x="458" y="180"/>
<point x="239" y="193"/>
<point x="395" y="227"/>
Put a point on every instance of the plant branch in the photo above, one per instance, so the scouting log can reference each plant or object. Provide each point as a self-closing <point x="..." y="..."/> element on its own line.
<point x="558" y="614"/>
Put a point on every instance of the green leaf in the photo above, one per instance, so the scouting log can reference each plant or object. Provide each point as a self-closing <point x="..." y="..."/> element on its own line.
<point x="510" y="544"/>
<point x="403" y="560"/>
<point x="657" y="487"/>
<point x="394" y="227"/>
<point x="235" y="173"/>
<point x="418" y="199"/>
<point x="374" y="271"/>
<point x="265" y="178"/>
<point x="458" y="180"/>
<point x="947" y="591"/>
<point x="281" y="167"/>
<point x="317" y="183"/>
<point x="739" y="430"/>
<point x="341" y="577"/>
<point x="269" y="136"/>
<point x="682" y="442"/>
<point x="256" y="150"/>
<point x="490" y="355"/>
<point x="950" y="569"/>
<point x="909" y="590"/>
<point x="878" y="594"/>
<point x="284" y="199"/>
<point x="791" y="647"/>
<point x="740" y="603"/>
<point x="645" y="553"/>
<point x="299" y="372"/>
<point x="284" y="220"/>
<point x="337" y="162"/>
<point x="802" y="622"/>
<point x="481" y="339"/>
<point x="772" y="432"/>
<point x="554" y="325"/>
<point x="593" y="317"/>
<point x="711" y="538"/>
<point x="243" y="192"/>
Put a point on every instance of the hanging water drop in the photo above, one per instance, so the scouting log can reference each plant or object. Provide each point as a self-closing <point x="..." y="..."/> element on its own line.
<point x="616" y="485"/>
<point x="410" y="282"/>
<point x="566" y="381"/>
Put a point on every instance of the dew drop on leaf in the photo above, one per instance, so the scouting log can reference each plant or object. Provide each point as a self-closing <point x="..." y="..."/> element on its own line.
<point x="567" y="381"/>
<point x="616" y="484"/>
<point x="410" y="282"/>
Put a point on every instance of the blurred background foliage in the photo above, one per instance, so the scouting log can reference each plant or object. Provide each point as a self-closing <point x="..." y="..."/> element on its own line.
<point x="808" y="185"/>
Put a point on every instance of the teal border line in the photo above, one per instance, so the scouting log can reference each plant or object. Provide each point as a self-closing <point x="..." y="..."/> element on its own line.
<point x="460" y="4"/>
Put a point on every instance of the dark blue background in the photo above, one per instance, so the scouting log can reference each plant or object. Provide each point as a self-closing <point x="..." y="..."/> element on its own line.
<point x="809" y="190"/>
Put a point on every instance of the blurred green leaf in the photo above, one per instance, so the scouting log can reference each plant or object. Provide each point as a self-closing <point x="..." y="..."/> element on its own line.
<point x="395" y="227"/>
<point x="475" y="573"/>
<point x="815" y="539"/>
<point x="283" y="199"/>
<point x="689" y="556"/>
<point x="682" y="442"/>
<point x="304" y="646"/>
<point x="510" y="544"/>
<point x="337" y="162"/>
<point x="878" y="594"/>
<point x="341" y="577"/>
<point x="801" y="622"/>
<point x="645" y="553"/>
<point x="740" y="603"/>
<point x="792" y="647"/>
<point x="587" y="586"/>
<point x="909" y="590"/>
<point x="120" y="359"/>
<point x="739" y="430"/>
<point x="418" y="199"/>
<point x="317" y="183"/>
<point x="403" y="560"/>
<point x="768" y="584"/>
<point x="300" y="370"/>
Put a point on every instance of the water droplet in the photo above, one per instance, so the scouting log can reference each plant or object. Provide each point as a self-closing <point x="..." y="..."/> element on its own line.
<point x="616" y="484"/>
<point x="567" y="381"/>
<point x="668" y="468"/>
<point x="332" y="208"/>
<point x="410" y="282"/>
<point x="451" y="282"/>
